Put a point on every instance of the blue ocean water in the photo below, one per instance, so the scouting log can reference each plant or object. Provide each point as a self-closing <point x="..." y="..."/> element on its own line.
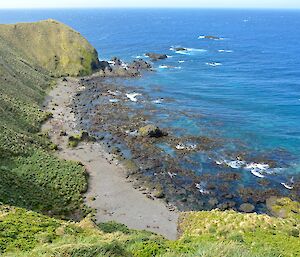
<point x="245" y="85"/>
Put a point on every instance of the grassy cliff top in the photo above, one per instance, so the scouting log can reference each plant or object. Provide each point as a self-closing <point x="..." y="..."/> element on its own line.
<point x="51" y="45"/>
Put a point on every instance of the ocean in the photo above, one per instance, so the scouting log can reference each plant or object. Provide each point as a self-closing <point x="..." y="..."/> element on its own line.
<point x="241" y="86"/>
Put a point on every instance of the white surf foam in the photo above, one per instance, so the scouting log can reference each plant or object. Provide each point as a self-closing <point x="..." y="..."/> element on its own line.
<point x="201" y="187"/>
<point x="158" y="101"/>
<point x="188" y="51"/>
<point x="169" y="67"/>
<point x="214" y="64"/>
<point x="257" y="174"/>
<point x="257" y="169"/>
<point x="115" y="93"/>
<point x="290" y="187"/>
<point x="113" y="100"/>
<point x="204" y="37"/>
<point x="132" y="96"/>
<point x="180" y="147"/>
<point x="225" y="51"/>
<point x="163" y="67"/>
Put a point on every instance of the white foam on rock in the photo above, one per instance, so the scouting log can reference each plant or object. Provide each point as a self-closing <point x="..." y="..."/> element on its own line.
<point x="189" y="147"/>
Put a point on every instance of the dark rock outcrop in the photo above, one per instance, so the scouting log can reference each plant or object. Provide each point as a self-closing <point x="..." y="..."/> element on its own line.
<point x="156" y="57"/>
<point x="180" y="49"/>
<point x="140" y="64"/>
<point x="105" y="66"/>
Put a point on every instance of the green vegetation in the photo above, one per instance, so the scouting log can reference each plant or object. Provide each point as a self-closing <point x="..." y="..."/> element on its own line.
<point x="209" y="234"/>
<point x="30" y="176"/>
<point x="255" y="232"/>
<point x="53" y="46"/>
<point x="40" y="194"/>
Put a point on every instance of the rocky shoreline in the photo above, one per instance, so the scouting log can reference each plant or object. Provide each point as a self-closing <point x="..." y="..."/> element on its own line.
<point x="110" y="192"/>
<point x="157" y="159"/>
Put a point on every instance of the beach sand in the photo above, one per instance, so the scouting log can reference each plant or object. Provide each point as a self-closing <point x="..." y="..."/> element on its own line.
<point x="109" y="192"/>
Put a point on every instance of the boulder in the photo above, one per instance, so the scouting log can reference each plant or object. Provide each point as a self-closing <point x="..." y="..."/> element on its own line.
<point x="156" y="57"/>
<point x="247" y="207"/>
<point x="283" y="207"/>
<point x="151" y="131"/>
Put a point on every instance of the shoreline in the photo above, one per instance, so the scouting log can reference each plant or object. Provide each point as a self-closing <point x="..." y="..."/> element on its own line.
<point x="113" y="197"/>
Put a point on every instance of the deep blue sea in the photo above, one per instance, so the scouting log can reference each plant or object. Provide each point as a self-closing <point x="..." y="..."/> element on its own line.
<point x="246" y="85"/>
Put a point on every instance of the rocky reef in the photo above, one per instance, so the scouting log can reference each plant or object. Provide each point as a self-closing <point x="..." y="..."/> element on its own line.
<point x="161" y="162"/>
<point x="117" y="68"/>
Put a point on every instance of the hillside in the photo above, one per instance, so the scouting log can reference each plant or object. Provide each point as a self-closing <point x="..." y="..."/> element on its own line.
<point x="51" y="45"/>
<point x="31" y="177"/>
<point x="41" y="203"/>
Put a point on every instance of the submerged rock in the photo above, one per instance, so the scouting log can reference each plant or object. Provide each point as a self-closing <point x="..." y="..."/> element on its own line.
<point x="247" y="207"/>
<point x="151" y="131"/>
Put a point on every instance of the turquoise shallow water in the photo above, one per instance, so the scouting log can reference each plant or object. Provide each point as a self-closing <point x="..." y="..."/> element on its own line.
<point x="245" y="87"/>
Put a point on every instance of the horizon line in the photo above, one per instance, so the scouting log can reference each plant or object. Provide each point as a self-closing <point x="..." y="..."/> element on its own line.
<point x="148" y="7"/>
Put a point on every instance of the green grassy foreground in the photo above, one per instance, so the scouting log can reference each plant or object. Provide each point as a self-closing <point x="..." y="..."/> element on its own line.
<point x="39" y="192"/>
<point x="215" y="234"/>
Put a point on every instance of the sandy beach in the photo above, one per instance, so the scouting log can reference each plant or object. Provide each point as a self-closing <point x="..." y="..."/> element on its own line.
<point x="109" y="192"/>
